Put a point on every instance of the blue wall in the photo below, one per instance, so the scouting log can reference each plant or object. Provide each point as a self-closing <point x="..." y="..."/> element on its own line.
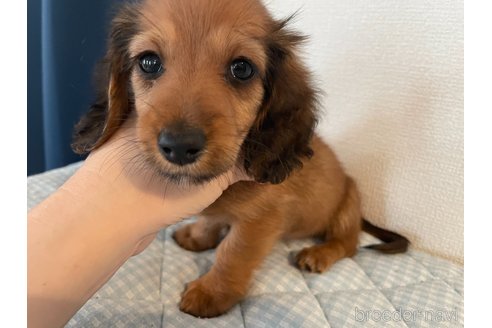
<point x="65" y="39"/>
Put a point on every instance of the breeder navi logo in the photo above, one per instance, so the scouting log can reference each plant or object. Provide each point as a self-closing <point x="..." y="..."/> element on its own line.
<point x="405" y="315"/>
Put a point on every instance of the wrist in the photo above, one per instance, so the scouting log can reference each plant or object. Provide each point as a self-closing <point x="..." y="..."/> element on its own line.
<point x="111" y="193"/>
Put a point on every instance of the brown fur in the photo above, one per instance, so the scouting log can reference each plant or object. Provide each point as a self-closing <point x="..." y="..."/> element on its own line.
<point x="268" y="122"/>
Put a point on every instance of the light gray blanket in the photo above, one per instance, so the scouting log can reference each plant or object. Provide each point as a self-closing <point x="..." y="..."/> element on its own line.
<point x="368" y="290"/>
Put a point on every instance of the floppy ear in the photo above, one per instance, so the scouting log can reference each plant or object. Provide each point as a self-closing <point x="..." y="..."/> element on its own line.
<point x="113" y="102"/>
<point x="281" y="135"/>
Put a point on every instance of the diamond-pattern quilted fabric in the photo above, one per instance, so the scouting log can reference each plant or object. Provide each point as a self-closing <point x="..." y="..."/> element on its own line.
<point x="349" y="309"/>
<point x="391" y="271"/>
<point x="368" y="290"/>
<point x="118" y="313"/>
<point x="283" y="310"/>
<point x="430" y="302"/>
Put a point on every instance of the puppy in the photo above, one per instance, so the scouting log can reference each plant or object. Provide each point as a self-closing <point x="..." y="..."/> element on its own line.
<point x="211" y="82"/>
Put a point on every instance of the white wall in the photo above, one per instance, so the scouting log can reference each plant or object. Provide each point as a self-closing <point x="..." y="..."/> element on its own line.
<point x="392" y="77"/>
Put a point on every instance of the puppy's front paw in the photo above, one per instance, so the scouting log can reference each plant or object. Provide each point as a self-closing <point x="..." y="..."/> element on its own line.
<point x="200" y="300"/>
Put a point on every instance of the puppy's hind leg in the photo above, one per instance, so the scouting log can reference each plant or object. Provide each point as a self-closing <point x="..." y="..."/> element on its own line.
<point x="342" y="235"/>
<point x="199" y="236"/>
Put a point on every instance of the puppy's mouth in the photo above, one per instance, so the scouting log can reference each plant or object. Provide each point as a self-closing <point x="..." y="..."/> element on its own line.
<point x="186" y="178"/>
<point x="181" y="174"/>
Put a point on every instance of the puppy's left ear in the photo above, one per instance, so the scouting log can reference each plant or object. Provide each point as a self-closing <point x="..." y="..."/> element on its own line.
<point x="281" y="135"/>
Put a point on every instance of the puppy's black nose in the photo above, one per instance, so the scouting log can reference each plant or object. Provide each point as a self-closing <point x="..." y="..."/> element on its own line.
<point x="183" y="147"/>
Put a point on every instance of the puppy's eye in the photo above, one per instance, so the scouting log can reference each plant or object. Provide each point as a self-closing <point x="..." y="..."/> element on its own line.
<point x="150" y="63"/>
<point x="242" y="69"/>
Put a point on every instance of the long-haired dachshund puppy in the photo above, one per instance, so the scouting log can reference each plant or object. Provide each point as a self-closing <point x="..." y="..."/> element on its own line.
<point x="211" y="82"/>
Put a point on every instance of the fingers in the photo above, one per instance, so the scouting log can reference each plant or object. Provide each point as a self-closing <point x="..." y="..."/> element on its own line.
<point x="240" y="174"/>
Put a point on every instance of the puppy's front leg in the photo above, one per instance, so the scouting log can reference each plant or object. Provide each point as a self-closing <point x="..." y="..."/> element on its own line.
<point x="240" y="253"/>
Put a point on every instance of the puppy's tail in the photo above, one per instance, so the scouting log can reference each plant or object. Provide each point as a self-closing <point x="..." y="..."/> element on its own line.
<point x="393" y="243"/>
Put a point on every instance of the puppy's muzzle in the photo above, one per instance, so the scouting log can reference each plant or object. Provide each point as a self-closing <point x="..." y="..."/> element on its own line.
<point x="180" y="145"/>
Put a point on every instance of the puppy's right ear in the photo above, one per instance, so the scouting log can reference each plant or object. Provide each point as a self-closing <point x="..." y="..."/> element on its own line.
<point x="113" y="103"/>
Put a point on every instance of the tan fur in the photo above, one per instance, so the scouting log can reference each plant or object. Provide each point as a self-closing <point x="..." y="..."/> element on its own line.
<point x="267" y="121"/>
<point x="319" y="200"/>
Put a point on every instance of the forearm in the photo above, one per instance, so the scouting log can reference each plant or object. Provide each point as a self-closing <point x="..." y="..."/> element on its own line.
<point x="74" y="247"/>
<point x="104" y="214"/>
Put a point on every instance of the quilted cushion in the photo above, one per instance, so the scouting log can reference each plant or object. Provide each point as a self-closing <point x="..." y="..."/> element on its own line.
<point x="369" y="290"/>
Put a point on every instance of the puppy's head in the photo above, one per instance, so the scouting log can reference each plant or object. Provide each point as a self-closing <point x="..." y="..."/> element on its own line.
<point x="207" y="82"/>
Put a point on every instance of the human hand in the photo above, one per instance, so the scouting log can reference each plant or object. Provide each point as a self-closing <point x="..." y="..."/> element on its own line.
<point x="150" y="202"/>
<point x="109" y="210"/>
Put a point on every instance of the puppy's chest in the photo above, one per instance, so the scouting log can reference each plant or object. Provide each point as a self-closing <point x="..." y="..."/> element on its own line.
<point x="243" y="199"/>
